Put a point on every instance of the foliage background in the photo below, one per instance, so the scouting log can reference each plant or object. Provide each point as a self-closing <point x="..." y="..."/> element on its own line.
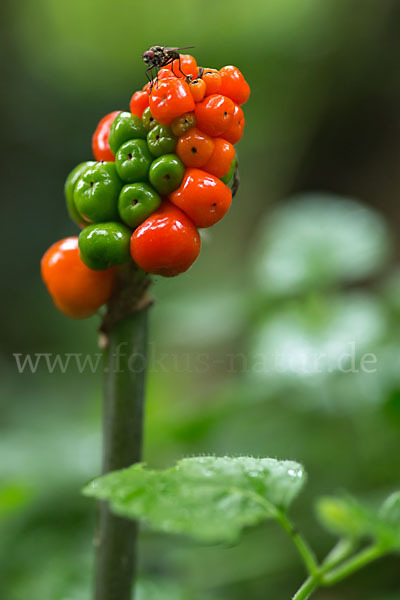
<point x="323" y="118"/>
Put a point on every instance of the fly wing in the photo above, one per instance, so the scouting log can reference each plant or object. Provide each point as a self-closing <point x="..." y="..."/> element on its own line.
<point x="177" y="49"/>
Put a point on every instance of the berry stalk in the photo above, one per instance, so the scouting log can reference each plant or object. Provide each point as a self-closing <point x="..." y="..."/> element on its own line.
<point x="124" y="393"/>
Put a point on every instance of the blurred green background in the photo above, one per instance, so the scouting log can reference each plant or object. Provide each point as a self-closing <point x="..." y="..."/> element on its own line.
<point x="303" y="264"/>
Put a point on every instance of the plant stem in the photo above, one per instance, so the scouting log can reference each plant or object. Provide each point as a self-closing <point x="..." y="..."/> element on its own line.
<point x="353" y="564"/>
<point x="302" y="546"/>
<point x="335" y="556"/>
<point x="306" y="589"/>
<point x="124" y="367"/>
<point x="338" y="553"/>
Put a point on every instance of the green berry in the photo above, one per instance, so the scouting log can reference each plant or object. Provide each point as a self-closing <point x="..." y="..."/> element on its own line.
<point x="96" y="193"/>
<point x="133" y="161"/>
<point x="125" y="127"/>
<point x="228" y="177"/>
<point x="148" y="120"/>
<point x="161" y="140"/>
<point x="166" y="173"/>
<point x="69" y="188"/>
<point x="104" y="245"/>
<point x="137" y="201"/>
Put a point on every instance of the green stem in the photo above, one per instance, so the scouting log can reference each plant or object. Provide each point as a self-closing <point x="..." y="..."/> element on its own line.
<point x="308" y="587"/>
<point x="306" y="553"/>
<point x="335" y="556"/>
<point x="354" y="563"/>
<point x="303" y="548"/>
<point x="338" y="553"/>
<point x="124" y="367"/>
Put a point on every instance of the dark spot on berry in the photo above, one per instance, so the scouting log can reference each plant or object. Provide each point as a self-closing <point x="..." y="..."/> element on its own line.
<point x="167" y="176"/>
<point x="194" y="150"/>
<point x="91" y="183"/>
<point x="134" y="202"/>
<point x="225" y="114"/>
<point x="157" y="137"/>
<point x="130" y="156"/>
<point x="214" y="204"/>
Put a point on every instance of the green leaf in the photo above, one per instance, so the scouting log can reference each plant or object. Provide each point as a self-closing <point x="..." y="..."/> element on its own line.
<point x="318" y="240"/>
<point x="347" y="517"/>
<point x="211" y="499"/>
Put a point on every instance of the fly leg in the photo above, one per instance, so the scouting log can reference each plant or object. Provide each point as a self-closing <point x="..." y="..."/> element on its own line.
<point x="179" y="63"/>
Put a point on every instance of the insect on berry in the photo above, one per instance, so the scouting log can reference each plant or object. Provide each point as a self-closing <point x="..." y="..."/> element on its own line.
<point x="157" y="57"/>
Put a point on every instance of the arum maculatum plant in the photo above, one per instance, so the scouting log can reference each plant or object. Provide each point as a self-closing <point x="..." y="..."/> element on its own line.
<point x="162" y="170"/>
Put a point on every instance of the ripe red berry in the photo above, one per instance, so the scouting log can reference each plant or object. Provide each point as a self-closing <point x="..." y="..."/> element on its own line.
<point x="212" y="79"/>
<point x="235" y="130"/>
<point x="139" y="102"/>
<point x="234" y="85"/>
<point x="167" y="243"/>
<point x="100" y="147"/>
<point x="188" y="66"/>
<point x="221" y="159"/>
<point x="214" y="114"/>
<point x="169" y="99"/>
<point x="203" y="197"/>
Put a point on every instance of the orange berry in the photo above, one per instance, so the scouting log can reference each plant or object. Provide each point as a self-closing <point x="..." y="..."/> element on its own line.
<point x="188" y="66"/>
<point x="234" y="85"/>
<point x="164" y="73"/>
<point x="213" y="81"/>
<point x="166" y="243"/>
<point x="214" y="114"/>
<point x="197" y="89"/>
<point x="169" y="99"/>
<point x="203" y="197"/>
<point x="235" y="130"/>
<point x="100" y="146"/>
<point x="75" y="289"/>
<point x="194" y="148"/>
<point x="139" y="102"/>
<point x="221" y="159"/>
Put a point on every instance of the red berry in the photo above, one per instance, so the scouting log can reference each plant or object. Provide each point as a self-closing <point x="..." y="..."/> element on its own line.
<point x="212" y="79"/>
<point x="234" y="85"/>
<point x="214" y="114"/>
<point x="100" y="147"/>
<point x="203" y="197"/>
<point x="167" y="243"/>
<point x="235" y="130"/>
<point x="139" y="102"/>
<point x="169" y="99"/>
<point x="188" y="66"/>
<point x="221" y="159"/>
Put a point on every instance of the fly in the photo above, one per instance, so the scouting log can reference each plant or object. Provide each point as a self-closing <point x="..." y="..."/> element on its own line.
<point x="157" y="57"/>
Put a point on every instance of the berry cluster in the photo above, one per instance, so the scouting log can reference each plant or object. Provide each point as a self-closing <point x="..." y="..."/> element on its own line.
<point x="161" y="170"/>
